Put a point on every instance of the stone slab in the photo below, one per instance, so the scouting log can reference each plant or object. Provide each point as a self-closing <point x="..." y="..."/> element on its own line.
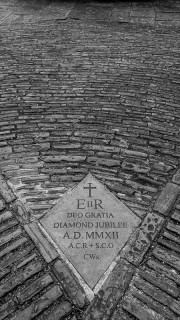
<point x="90" y="225"/>
<point x="166" y="199"/>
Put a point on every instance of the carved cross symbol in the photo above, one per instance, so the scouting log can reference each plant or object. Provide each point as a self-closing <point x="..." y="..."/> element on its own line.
<point x="90" y="188"/>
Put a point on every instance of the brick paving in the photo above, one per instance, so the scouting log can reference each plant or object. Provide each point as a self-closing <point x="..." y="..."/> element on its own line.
<point x="89" y="86"/>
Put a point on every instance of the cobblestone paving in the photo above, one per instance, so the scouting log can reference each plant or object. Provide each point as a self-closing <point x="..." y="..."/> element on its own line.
<point x="89" y="86"/>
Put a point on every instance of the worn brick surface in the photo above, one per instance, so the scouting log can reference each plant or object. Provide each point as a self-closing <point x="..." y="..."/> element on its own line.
<point x="40" y="304"/>
<point x="5" y="191"/>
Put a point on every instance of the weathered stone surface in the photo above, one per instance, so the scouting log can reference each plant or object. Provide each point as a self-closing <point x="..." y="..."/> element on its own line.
<point x="175" y="306"/>
<point x="135" y="167"/>
<point x="176" y="177"/>
<point x="153" y="304"/>
<point x="2" y="205"/>
<point x="7" y="309"/>
<point x="107" y="298"/>
<point x="40" y="242"/>
<point x="166" y="199"/>
<point x="4" y="272"/>
<point x="5" y="216"/>
<point x="39" y="305"/>
<point x="5" y="191"/>
<point x="168" y="257"/>
<point x="13" y="246"/>
<point x="140" y="310"/>
<point x="27" y="293"/>
<point x="164" y="269"/>
<point x="14" y="257"/>
<point x="63" y="309"/>
<point x="68" y="158"/>
<point x="160" y="281"/>
<point x="10" y="236"/>
<point x="152" y="291"/>
<point x="8" y="225"/>
<point x="20" y="278"/>
<point x="90" y="225"/>
<point x="69" y="283"/>
<point x="20" y="211"/>
<point x="119" y="187"/>
<point x="141" y="240"/>
<point x="134" y="153"/>
<point x="120" y="314"/>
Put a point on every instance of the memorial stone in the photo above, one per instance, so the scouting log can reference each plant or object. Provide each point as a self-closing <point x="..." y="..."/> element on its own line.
<point x="90" y="226"/>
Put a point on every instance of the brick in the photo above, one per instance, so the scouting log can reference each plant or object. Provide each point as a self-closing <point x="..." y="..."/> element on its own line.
<point x="152" y="291"/>
<point x="67" y="146"/>
<point x="176" y="177"/>
<point x="107" y="298"/>
<point x="160" y="281"/>
<point x="25" y="261"/>
<point x="152" y="304"/>
<point x="10" y="236"/>
<point x="63" y="309"/>
<point x="16" y="256"/>
<point x="7" y="309"/>
<point x="134" y="153"/>
<point x="5" y="150"/>
<point x="64" y="158"/>
<point x="119" y="187"/>
<point x="140" y="310"/>
<point x="164" y="269"/>
<point x="39" y="305"/>
<point x="5" y="216"/>
<point x="176" y="307"/>
<point x="141" y="240"/>
<point x="39" y="284"/>
<point x="168" y="257"/>
<point x="120" y="314"/>
<point x="13" y="246"/>
<point x="173" y="227"/>
<point x="20" y="278"/>
<point x="4" y="272"/>
<point x="167" y="198"/>
<point x="69" y="283"/>
<point x="97" y="147"/>
<point x="20" y="211"/>
<point x="5" y="191"/>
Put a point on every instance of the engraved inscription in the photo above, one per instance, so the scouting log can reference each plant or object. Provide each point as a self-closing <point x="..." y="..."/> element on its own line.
<point x="90" y="225"/>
